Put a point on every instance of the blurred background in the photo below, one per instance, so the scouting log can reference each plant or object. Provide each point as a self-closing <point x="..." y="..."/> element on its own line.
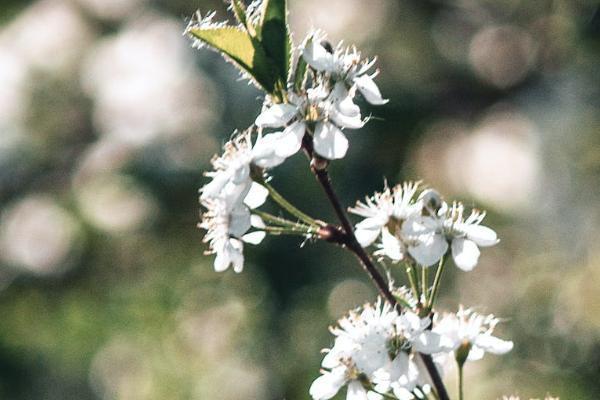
<point x="108" y="118"/>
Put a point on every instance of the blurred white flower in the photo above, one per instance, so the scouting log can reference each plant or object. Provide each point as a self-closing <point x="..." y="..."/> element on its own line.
<point x="505" y="141"/>
<point x="38" y="236"/>
<point x="469" y="334"/>
<point x="48" y="36"/>
<point x="13" y="97"/>
<point x="349" y="21"/>
<point x="112" y="9"/>
<point x="144" y="85"/>
<point x="115" y="203"/>
<point x="122" y="369"/>
<point x="480" y="161"/>
<point x="502" y="55"/>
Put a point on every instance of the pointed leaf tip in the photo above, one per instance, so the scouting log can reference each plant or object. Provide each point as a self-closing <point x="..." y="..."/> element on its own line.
<point x="275" y="36"/>
<point x="237" y="45"/>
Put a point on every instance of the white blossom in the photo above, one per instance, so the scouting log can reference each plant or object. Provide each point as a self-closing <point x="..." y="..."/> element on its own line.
<point x="424" y="228"/>
<point x="326" y="111"/>
<point x="230" y="195"/>
<point x="429" y="236"/>
<point x="343" y="65"/>
<point x="227" y="230"/>
<point x="375" y="345"/>
<point x="231" y="181"/>
<point x="470" y="332"/>
<point x="385" y="213"/>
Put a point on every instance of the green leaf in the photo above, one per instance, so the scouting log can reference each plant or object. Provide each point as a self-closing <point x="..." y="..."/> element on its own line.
<point x="274" y="35"/>
<point x="239" y="9"/>
<point x="300" y="73"/>
<point x="301" y="70"/>
<point x="241" y="49"/>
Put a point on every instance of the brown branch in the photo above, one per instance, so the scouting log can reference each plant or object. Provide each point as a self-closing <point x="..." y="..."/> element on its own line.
<point x="345" y="237"/>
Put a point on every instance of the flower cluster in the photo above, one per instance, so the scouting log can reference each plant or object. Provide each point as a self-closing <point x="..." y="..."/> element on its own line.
<point x="317" y="113"/>
<point x="327" y="107"/>
<point x="231" y="194"/>
<point x="373" y="353"/>
<point x="423" y="227"/>
<point x="375" y="348"/>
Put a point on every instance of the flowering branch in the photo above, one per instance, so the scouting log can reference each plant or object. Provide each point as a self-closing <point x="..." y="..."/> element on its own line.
<point x="352" y="244"/>
<point x="348" y="240"/>
<point x="311" y="104"/>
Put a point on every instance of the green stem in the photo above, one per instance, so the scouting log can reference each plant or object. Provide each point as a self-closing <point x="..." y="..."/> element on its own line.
<point x="277" y="230"/>
<point x="460" y="383"/>
<point x="436" y="283"/>
<point x="286" y="205"/>
<point x="414" y="281"/>
<point x="425" y="283"/>
<point x="280" y="221"/>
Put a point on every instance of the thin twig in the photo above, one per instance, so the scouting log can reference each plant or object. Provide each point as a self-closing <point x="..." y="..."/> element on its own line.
<point x="348" y="240"/>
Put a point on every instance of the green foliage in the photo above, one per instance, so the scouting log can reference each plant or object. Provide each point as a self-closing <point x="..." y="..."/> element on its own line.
<point x="301" y="70"/>
<point x="240" y="12"/>
<point x="243" y="50"/>
<point x="275" y="37"/>
<point x="262" y="52"/>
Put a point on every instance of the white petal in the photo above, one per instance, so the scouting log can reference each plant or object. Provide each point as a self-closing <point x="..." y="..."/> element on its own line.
<point x="291" y="140"/>
<point x="346" y="114"/>
<point x="374" y="396"/>
<point x="392" y="246"/>
<point x="481" y="235"/>
<point x="239" y="221"/>
<point x="222" y="261"/>
<point x="317" y="56"/>
<point x="356" y="391"/>
<point x="475" y="353"/>
<point x="369" y="90"/>
<point x="327" y="385"/>
<point x="264" y="152"/>
<point x="398" y="367"/>
<point x="331" y="359"/>
<point x="429" y="250"/>
<point x="329" y="141"/>
<point x="254" y="237"/>
<point x="230" y="253"/>
<point x="417" y="226"/>
<point x="343" y="111"/>
<point x="257" y="196"/>
<point x="368" y="230"/>
<point x="465" y="253"/>
<point x="276" y="116"/>
<point x="428" y="342"/>
<point x="339" y="93"/>
<point x="213" y="188"/>
<point x="257" y="222"/>
<point x="493" y="345"/>
<point x="403" y="393"/>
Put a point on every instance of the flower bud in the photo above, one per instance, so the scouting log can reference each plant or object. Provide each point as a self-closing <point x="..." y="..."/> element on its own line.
<point x="432" y="201"/>
<point x="462" y="353"/>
